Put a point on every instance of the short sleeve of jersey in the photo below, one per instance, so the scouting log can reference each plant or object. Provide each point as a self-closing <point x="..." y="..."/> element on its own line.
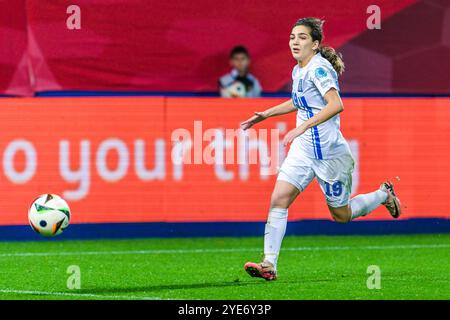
<point x="324" y="78"/>
<point x="294" y="71"/>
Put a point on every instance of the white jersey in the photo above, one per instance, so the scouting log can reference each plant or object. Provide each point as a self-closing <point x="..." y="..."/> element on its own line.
<point x="309" y="85"/>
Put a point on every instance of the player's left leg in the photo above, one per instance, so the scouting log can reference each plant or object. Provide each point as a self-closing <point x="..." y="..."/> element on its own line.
<point x="363" y="204"/>
<point x="335" y="179"/>
<point x="342" y="210"/>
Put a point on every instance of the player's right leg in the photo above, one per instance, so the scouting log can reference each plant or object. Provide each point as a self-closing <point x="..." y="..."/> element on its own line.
<point x="295" y="175"/>
<point x="283" y="195"/>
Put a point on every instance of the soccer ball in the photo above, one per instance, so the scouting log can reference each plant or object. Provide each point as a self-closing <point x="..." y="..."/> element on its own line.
<point x="49" y="215"/>
<point x="236" y="90"/>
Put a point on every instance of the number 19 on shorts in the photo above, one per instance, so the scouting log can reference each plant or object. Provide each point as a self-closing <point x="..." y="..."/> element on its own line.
<point x="333" y="190"/>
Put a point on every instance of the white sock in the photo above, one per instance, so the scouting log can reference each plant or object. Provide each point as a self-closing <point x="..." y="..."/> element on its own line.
<point x="274" y="233"/>
<point x="363" y="204"/>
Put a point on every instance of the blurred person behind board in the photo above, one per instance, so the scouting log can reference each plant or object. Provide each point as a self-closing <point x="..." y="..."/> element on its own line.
<point x="239" y="82"/>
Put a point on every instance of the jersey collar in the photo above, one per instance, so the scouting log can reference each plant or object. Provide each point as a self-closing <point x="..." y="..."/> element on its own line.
<point x="316" y="56"/>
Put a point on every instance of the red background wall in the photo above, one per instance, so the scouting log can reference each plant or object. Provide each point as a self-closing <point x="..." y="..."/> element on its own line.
<point x="408" y="138"/>
<point x="183" y="46"/>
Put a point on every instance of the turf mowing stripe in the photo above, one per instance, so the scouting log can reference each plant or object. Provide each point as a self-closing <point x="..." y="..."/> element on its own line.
<point x="181" y="251"/>
<point x="68" y="294"/>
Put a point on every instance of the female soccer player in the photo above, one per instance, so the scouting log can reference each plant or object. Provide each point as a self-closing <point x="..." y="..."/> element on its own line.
<point x="318" y="148"/>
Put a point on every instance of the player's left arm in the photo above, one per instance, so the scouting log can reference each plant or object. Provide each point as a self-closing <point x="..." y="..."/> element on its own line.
<point x="333" y="107"/>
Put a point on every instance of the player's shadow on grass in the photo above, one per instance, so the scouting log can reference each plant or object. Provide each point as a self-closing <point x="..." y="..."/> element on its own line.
<point x="163" y="287"/>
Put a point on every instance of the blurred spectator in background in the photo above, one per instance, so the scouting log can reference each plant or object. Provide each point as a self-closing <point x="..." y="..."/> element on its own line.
<point x="239" y="82"/>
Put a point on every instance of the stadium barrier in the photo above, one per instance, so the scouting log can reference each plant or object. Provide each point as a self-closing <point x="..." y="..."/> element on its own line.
<point x="116" y="162"/>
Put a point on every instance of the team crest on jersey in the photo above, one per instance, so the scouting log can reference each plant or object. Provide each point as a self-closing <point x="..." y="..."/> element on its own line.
<point x="300" y="85"/>
<point x="320" y="72"/>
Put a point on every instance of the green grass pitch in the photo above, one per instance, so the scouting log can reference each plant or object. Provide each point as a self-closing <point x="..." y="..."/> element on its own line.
<point x="310" y="267"/>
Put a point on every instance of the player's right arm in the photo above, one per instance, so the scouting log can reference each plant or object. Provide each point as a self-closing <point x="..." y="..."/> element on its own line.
<point x="280" y="109"/>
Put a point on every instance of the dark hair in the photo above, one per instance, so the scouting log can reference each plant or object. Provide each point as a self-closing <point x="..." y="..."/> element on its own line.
<point x="237" y="50"/>
<point x="316" y="24"/>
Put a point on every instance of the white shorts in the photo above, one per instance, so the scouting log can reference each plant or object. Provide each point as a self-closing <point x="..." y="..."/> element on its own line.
<point x="334" y="175"/>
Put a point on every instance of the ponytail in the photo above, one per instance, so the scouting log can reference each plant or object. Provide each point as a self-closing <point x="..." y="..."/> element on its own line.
<point x="335" y="58"/>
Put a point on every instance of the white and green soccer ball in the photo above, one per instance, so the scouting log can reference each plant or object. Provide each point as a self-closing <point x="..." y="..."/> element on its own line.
<point x="236" y="90"/>
<point x="49" y="215"/>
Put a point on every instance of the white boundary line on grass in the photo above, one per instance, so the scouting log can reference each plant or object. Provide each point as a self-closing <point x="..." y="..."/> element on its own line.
<point x="69" y="294"/>
<point x="188" y="251"/>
